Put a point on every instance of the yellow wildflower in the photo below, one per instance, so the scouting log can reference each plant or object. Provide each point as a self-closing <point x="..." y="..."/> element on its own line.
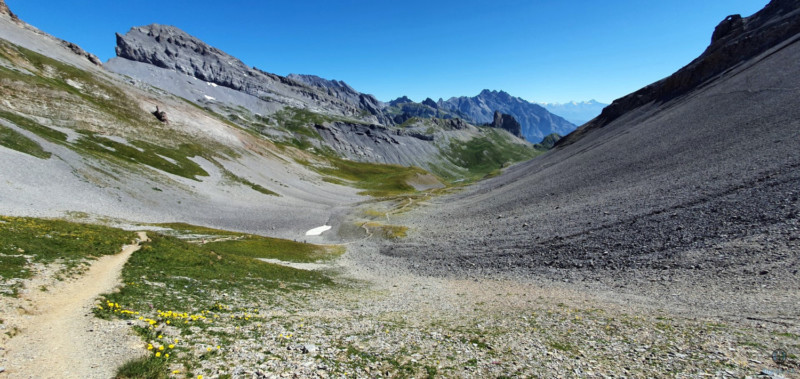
<point x="171" y="346"/>
<point x="158" y="354"/>
<point x="161" y="348"/>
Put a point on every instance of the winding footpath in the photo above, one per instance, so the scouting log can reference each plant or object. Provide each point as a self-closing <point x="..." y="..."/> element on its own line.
<point x="61" y="338"/>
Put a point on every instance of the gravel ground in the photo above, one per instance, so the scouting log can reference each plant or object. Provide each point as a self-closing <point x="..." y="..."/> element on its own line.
<point x="691" y="205"/>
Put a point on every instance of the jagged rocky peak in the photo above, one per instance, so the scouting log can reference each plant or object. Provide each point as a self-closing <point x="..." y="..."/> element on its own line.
<point x="507" y="122"/>
<point x="728" y="26"/>
<point x="400" y="100"/>
<point x="171" y="48"/>
<point x="429" y="102"/>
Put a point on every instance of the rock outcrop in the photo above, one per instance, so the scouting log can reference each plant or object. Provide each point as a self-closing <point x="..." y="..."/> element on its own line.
<point x="549" y="141"/>
<point x="535" y="121"/>
<point x="342" y="91"/>
<point x="507" y="122"/>
<point x="734" y="40"/>
<point x="79" y="51"/>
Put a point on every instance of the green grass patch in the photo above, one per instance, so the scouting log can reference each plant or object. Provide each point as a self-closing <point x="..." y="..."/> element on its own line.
<point x="169" y="273"/>
<point x="562" y="346"/>
<point x="378" y="180"/>
<point x="31" y="240"/>
<point x="15" y="140"/>
<point x="265" y="247"/>
<point x="787" y="335"/>
<point x="387" y="231"/>
<point x="300" y="121"/>
<point x="238" y="179"/>
<point x="49" y="134"/>
<point x="183" y="228"/>
<point x="55" y="75"/>
<point x="143" y="368"/>
<point x="172" y="160"/>
<point x="485" y="156"/>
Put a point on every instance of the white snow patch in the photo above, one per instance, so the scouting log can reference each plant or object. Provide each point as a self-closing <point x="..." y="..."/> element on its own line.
<point x="209" y="98"/>
<point x="318" y="230"/>
<point x="211" y="84"/>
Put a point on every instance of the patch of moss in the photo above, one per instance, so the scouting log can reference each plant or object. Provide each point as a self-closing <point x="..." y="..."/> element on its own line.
<point x="49" y="134"/>
<point x="387" y="231"/>
<point x="15" y="140"/>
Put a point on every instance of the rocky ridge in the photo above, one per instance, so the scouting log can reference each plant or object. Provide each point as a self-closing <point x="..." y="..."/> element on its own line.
<point x="734" y="40"/>
<point x="170" y="48"/>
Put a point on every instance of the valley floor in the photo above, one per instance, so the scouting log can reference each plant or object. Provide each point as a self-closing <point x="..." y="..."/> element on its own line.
<point x="379" y="318"/>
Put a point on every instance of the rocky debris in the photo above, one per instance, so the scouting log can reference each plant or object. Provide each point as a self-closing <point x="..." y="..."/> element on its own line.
<point x="535" y="121"/>
<point x="160" y="115"/>
<point x="506" y="122"/>
<point x="734" y="40"/>
<point x="655" y="204"/>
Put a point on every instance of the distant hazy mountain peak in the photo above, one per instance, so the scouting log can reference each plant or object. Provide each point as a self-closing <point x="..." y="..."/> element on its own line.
<point x="576" y="112"/>
<point x="536" y="122"/>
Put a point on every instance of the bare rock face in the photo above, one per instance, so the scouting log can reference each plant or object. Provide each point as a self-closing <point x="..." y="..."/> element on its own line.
<point x="508" y="123"/>
<point x="734" y="40"/>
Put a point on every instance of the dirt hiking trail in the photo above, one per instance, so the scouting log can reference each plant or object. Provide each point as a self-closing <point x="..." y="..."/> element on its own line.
<point x="61" y="338"/>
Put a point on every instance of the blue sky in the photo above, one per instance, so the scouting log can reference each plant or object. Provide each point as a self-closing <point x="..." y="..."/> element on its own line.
<point x="540" y="50"/>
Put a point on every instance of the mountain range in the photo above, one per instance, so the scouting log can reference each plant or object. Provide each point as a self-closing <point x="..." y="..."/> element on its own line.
<point x="576" y="112"/>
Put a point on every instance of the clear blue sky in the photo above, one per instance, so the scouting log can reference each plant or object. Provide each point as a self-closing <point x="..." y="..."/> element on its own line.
<point x="540" y="50"/>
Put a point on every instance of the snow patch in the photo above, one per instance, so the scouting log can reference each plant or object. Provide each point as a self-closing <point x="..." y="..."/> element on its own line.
<point x="318" y="230"/>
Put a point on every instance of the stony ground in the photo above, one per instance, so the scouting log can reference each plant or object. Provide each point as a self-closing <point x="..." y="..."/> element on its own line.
<point x="393" y="323"/>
